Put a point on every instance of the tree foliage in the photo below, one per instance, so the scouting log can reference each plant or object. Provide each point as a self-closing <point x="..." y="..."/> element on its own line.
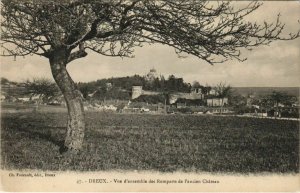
<point x="223" y="90"/>
<point x="4" y="81"/>
<point x="237" y="100"/>
<point x="172" y="84"/>
<point x="276" y="98"/>
<point x="196" y="84"/>
<point x="43" y="87"/>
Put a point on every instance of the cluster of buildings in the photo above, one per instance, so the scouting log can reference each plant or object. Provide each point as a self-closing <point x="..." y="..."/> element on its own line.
<point x="195" y="101"/>
<point x="210" y="99"/>
<point x="16" y="93"/>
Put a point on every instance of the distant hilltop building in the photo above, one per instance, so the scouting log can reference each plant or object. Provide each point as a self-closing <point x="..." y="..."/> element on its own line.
<point x="152" y="75"/>
<point x="108" y="86"/>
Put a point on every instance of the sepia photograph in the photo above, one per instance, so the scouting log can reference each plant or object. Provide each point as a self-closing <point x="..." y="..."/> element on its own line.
<point x="150" y="95"/>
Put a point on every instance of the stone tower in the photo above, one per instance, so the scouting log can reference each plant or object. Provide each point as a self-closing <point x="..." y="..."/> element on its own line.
<point x="136" y="92"/>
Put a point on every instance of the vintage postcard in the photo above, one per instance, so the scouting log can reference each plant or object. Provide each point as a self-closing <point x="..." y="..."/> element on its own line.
<point x="150" y="96"/>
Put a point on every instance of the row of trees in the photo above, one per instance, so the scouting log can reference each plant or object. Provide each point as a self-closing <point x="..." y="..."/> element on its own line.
<point x="45" y="89"/>
<point x="172" y="84"/>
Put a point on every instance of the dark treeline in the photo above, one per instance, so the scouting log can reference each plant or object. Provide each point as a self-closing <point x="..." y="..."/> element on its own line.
<point x="115" y="86"/>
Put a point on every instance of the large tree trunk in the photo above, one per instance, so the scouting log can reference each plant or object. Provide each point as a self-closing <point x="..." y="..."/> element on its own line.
<point x="73" y="97"/>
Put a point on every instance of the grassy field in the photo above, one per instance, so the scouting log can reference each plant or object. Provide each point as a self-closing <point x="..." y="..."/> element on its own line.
<point x="153" y="142"/>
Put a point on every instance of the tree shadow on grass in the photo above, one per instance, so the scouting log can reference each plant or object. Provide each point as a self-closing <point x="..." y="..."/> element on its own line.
<point x="44" y="133"/>
<point x="48" y="137"/>
<point x="37" y="126"/>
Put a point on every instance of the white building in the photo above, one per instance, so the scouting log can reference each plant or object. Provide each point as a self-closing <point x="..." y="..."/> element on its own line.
<point x="217" y="102"/>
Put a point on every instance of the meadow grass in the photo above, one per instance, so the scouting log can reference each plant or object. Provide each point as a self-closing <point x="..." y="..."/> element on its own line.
<point x="163" y="143"/>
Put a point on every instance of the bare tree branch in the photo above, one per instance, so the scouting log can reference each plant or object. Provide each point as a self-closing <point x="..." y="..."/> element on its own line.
<point x="212" y="31"/>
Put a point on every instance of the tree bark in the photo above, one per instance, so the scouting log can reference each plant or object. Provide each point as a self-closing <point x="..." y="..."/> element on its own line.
<point x="76" y="124"/>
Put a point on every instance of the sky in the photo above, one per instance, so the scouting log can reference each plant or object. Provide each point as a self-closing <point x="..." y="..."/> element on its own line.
<point x="276" y="65"/>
